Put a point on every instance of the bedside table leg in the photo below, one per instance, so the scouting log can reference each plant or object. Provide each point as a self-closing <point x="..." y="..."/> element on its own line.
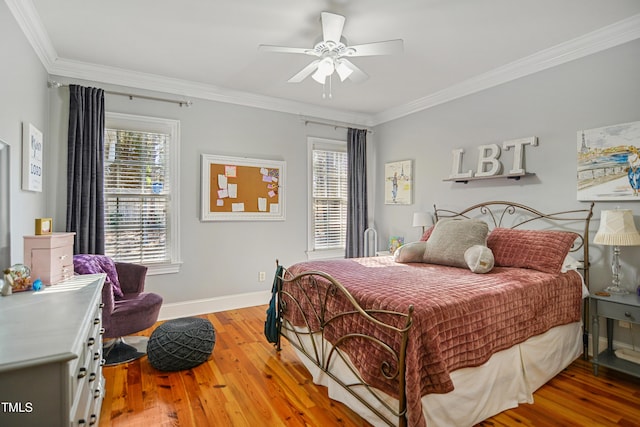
<point x="595" y="334"/>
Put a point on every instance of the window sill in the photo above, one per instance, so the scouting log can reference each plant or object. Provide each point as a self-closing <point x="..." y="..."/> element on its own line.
<point x="166" y="268"/>
<point x="325" y="254"/>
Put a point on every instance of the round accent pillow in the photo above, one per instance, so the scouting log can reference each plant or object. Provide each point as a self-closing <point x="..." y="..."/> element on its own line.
<point x="181" y="344"/>
<point x="479" y="259"/>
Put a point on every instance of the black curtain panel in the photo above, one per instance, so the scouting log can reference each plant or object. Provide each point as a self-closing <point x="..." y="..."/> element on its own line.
<point x="357" y="192"/>
<point x="85" y="169"/>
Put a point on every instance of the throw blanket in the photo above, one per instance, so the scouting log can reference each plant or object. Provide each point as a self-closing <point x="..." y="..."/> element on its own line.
<point x="460" y="318"/>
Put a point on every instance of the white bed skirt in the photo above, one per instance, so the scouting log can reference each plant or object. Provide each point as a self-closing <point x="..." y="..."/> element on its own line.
<point x="507" y="379"/>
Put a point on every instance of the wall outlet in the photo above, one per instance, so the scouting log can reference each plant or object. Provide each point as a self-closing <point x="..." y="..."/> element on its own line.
<point x="262" y="276"/>
<point x="624" y="324"/>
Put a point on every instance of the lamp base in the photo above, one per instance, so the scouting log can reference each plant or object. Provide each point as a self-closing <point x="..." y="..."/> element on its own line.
<point x="617" y="290"/>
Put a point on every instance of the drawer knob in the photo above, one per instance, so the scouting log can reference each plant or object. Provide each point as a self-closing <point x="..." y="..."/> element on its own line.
<point x="93" y="419"/>
<point x="92" y="377"/>
<point x="96" y="321"/>
<point x="627" y="314"/>
<point x="101" y="305"/>
<point x="81" y="422"/>
<point x="96" y="393"/>
<point x="103" y="361"/>
<point x="101" y="331"/>
<point x="96" y="355"/>
<point x="91" y="341"/>
<point x="82" y="373"/>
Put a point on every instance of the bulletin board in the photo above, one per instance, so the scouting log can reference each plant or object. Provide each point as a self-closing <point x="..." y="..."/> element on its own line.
<point x="238" y="188"/>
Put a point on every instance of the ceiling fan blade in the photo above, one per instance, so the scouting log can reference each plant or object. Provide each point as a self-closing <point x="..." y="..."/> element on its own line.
<point x="332" y="25"/>
<point x="284" y="49"/>
<point x="356" y="75"/>
<point x="388" y="47"/>
<point x="305" y="72"/>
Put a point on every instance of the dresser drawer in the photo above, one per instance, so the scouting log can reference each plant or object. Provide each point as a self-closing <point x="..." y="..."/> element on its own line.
<point x="613" y="310"/>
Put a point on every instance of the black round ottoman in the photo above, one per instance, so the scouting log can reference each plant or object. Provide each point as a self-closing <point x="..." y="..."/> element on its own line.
<point x="181" y="344"/>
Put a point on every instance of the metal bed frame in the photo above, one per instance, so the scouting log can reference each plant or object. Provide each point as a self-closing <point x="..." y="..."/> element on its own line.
<point x="322" y="288"/>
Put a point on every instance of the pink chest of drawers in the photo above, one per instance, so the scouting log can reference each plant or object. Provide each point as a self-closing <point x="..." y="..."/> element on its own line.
<point x="50" y="256"/>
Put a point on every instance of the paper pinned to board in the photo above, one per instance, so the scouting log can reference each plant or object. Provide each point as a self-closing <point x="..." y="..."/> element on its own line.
<point x="262" y="204"/>
<point x="220" y="202"/>
<point x="230" y="171"/>
<point x="274" y="208"/>
<point x="222" y="181"/>
<point x="223" y="193"/>
<point x="233" y="191"/>
<point x="237" y="207"/>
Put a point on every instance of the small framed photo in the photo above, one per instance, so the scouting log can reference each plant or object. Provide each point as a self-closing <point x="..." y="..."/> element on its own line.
<point x="44" y="226"/>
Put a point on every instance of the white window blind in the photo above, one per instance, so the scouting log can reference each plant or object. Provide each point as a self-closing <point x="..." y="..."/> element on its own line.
<point x="329" y="194"/>
<point x="137" y="189"/>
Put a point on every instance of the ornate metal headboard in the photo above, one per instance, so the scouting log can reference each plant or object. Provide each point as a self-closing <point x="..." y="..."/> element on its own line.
<point x="514" y="215"/>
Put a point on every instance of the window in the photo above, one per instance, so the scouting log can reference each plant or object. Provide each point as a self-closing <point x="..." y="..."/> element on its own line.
<point x="328" y="198"/>
<point x="140" y="191"/>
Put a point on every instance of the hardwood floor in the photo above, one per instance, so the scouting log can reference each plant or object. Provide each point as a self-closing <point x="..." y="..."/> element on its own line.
<point x="246" y="383"/>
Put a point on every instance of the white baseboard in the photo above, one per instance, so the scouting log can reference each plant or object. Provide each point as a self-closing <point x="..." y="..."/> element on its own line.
<point x="213" y="305"/>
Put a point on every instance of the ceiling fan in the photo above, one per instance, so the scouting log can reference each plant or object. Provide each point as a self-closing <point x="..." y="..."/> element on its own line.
<point x="332" y="53"/>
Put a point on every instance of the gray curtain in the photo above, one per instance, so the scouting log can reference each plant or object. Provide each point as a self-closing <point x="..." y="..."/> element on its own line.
<point x="85" y="169"/>
<point x="357" y="192"/>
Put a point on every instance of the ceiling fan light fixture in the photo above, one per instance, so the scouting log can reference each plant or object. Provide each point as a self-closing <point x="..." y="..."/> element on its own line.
<point x="343" y="71"/>
<point x="326" y="67"/>
<point x="319" y="77"/>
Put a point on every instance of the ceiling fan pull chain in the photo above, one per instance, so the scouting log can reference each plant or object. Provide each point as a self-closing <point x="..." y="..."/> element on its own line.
<point x="330" y="93"/>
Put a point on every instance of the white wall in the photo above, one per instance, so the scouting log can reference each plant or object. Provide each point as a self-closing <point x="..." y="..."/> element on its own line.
<point x="23" y="99"/>
<point x="598" y="90"/>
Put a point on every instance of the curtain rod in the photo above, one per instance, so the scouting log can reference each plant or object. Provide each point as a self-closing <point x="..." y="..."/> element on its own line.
<point x="334" y="125"/>
<point x="187" y="103"/>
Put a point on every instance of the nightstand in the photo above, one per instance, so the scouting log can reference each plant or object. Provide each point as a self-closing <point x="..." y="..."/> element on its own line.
<point x="614" y="307"/>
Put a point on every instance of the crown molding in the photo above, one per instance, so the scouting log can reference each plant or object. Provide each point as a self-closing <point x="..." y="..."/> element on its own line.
<point x="184" y="88"/>
<point x="31" y="25"/>
<point x="604" y="38"/>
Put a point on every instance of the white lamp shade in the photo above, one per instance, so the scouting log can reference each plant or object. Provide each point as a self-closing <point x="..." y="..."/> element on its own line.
<point x="617" y="228"/>
<point x="422" y="219"/>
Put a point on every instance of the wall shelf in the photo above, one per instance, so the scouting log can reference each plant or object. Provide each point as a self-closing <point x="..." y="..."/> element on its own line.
<point x="514" y="176"/>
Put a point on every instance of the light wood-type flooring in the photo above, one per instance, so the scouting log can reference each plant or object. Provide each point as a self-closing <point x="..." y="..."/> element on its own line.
<point x="246" y="382"/>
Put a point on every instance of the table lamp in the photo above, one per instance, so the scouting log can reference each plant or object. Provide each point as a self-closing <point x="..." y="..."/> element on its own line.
<point x="422" y="219"/>
<point x="617" y="229"/>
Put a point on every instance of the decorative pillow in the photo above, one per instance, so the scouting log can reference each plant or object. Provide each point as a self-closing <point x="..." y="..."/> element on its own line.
<point x="479" y="258"/>
<point x="542" y="250"/>
<point x="94" y="264"/>
<point x="410" y="252"/>
<point x="451" y="238"/>
<point x="427" y="234"/>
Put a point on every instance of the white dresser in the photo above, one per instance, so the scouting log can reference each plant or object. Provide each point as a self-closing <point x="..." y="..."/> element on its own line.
<point x="51" y="355"/>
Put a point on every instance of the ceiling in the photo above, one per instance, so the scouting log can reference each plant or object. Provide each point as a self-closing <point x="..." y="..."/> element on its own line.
<point x="209" y="48"/>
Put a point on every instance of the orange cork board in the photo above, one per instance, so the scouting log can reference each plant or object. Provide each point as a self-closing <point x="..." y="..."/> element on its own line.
<point x="241" y="188"/>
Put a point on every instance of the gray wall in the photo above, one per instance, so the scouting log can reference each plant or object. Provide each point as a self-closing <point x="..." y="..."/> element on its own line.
<point x="23" y="99"/>
<point x="220" y="258"/>
<point x="599" y="90"/>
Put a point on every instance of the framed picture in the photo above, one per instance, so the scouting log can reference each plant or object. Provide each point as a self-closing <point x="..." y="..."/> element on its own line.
<point x="44" y="226"/>
<point x="398" y="183"/>
<point x="609" y="163"/>
<point x="31" y="158"/>
<point x="237" y="188"/>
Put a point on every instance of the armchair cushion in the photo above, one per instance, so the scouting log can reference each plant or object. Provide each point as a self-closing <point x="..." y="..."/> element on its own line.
<point x="93" y="264"/>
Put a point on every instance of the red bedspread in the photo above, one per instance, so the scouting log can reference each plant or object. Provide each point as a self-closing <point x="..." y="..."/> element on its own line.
<point x="460" y="318"/>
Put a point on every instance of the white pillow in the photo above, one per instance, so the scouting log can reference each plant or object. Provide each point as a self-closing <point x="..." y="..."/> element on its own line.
<point x="410" y="252"/>
<point x="479" y="259"/>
